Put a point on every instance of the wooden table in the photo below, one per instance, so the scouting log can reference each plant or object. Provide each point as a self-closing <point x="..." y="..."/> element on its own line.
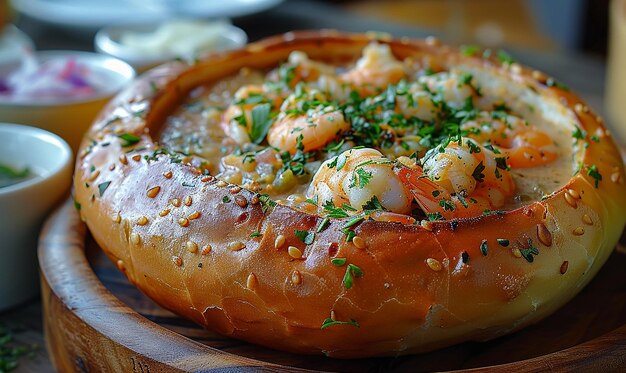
<point x="584" y="74"/>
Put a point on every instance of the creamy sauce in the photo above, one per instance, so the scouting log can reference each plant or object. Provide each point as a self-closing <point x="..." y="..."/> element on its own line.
<point x="230" y="123"/>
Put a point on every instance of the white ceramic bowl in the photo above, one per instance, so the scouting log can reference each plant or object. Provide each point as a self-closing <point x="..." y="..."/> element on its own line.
<point x="25" y="205"/>
<point x="68" y="117"/>
<point x="108" y="41"/>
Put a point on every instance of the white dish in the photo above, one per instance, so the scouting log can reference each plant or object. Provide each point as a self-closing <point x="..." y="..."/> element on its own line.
<point x="12" y="43"/>
<point x="95" y="14"/>
<point x="25" y="205"/>
<point x="109" y="41"/>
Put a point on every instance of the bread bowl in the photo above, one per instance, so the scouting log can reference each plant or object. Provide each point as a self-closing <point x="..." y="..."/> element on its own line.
<point x="332" y="270"/>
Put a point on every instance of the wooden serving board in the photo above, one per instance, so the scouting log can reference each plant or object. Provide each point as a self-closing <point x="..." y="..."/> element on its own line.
<point x="95" y="320"/>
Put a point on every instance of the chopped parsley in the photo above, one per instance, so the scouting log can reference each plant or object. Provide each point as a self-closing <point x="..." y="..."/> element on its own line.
<point x="102" y="187"/>
<point x="128" y="139"/>
<point x="305" y="236"/>
<point x="478" y="172"/>
<point x="594" y="173"/>
<point x="351" y="272"/>
<point x="330" y="322"/>
<point x="261" y="122"/>
<point x="528" y="252"/>
<point x="484" y="248"/>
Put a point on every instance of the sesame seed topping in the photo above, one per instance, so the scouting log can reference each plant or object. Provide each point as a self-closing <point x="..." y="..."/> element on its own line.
<point x="235" y="190"/>
<point x="434" y="264"/>
<point x="123" y="159"/>
<point x="135" y="239"/>
<point x="570" y="200"/>
<point x="516" y="252"/>
<point x="573" y="193"/>
<point x="175" y="202"/>
<point x="296" y="277"/>
<point x="516" y="68"/>
<point x="167" y="174"/>
<point x="120" y="265"/>
<point x="116" y="217"/>
<point x="333" y="316"/>
<point x="236" y="246"/>
<point x="192" y="247"/>
<point x="143" y="220"/>
<point x="177" y="260"/>
<point x="279" y="242"/>
<point x="164" y="212"/>
<point x="294" y="252"/>
<point x="112" y="167"/>
<point x="359" y="242"/>
<point x="206" y="178"/>
<point x="579" y="231"/>
<point x="221" y="183"/>
<point x="616" y="177"/>
<point x="94" y="175"/>
<point x="136" y="157"/>
<point x="153" y="192"/>
<point x="251" y="282"/>
<point x="194" y="215"/>
<point x="207" y="249"/>
<point x="578" y="107"/>
<point x="537" y="74"/>
<point x="544" y="235"/>
<point x="587" y="220"/>
<point x="241" y="201"/>
<point x="183" y="222"/>
<point x="564" y="266"/>
<point x="187" y="200"/>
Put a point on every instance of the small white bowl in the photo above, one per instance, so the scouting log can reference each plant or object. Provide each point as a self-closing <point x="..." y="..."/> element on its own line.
<point x="25" y="205"/>
<point x="108" y="41"/>
<point x="68" y="117"/>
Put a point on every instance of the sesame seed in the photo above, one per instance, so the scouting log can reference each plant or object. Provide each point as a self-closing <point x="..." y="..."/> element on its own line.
<point x="579" y="231"/>
<point x="279" y="242"/>
<point x="135" y="239"/>
<point x="167" y="174"/>
<point x="358" y="242"/>
<point x="120" y="265"/>
<point x="116" y="217"/>
<point x="544" y="235"/>
<point x="236" y="246"/>
<point x="255" y="200"/>
<point x="194" y="215"/>
<point x="153" y="192"/>
<point x="587" y="220"/>
<point x="177" y="260"/>
<point x="516" y="253"/>
<point x="136" y="157"/>
<point x="207" y="249"/>
<point x="296" y="277"/>
<point x="251" y="282"/>
<point x="187" y="200"/>
<point x="206" y="179"/>
<point x="143" y="220"/>
<point x="241" y="201"/>
<point x="578" y="107"/>
<point x="564" y="267"/>
<point x="333" y="316"/>
<point x="537" y="74"/>
<point x="175" y="202"/>
<point x="192" y="247"/>
<point x="94" y="175"/>
<point x="294" y="252"/>
<point x="573" y="193"/>
<point x="516" y="68"/>
<point x="235" y="190"/>
<point x="164" y="212"/>
<point x="434" y="264"/>
<point x="183" y="222"/>
<point x="570" y="200"/>
<point x="221" y="183"/>
<point x="616" y="177"/>
<point x="123" y="159"/>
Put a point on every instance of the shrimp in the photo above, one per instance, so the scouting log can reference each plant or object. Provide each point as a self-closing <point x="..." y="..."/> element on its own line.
<point x="308" y="120"/>
<point x="355" y="177"/>
<point x="300" y="68"/>
<point x="376" y="69"/>
<point x="523" y="144"/>
<point x="237" y="118"/>
<point x="462" y="181"/>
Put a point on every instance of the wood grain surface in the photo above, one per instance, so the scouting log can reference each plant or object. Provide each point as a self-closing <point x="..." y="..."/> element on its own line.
<point x="96" y="321"/>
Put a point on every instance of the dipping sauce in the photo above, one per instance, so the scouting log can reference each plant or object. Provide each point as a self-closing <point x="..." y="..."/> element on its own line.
<point x="10" y="175"/>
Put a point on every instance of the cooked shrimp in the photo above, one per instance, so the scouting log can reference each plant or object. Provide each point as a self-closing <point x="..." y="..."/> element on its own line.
<point x="355" y="177"/>
<point x="300" y="67"/>
<point x="523" y="144"/>
<point x="377" y="68"/>
<point x="462" y="181"/>
<point x="309" y="119"/>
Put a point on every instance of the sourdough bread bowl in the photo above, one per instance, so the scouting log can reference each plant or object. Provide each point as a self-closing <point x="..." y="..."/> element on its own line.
<point x="313" y="269"/>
